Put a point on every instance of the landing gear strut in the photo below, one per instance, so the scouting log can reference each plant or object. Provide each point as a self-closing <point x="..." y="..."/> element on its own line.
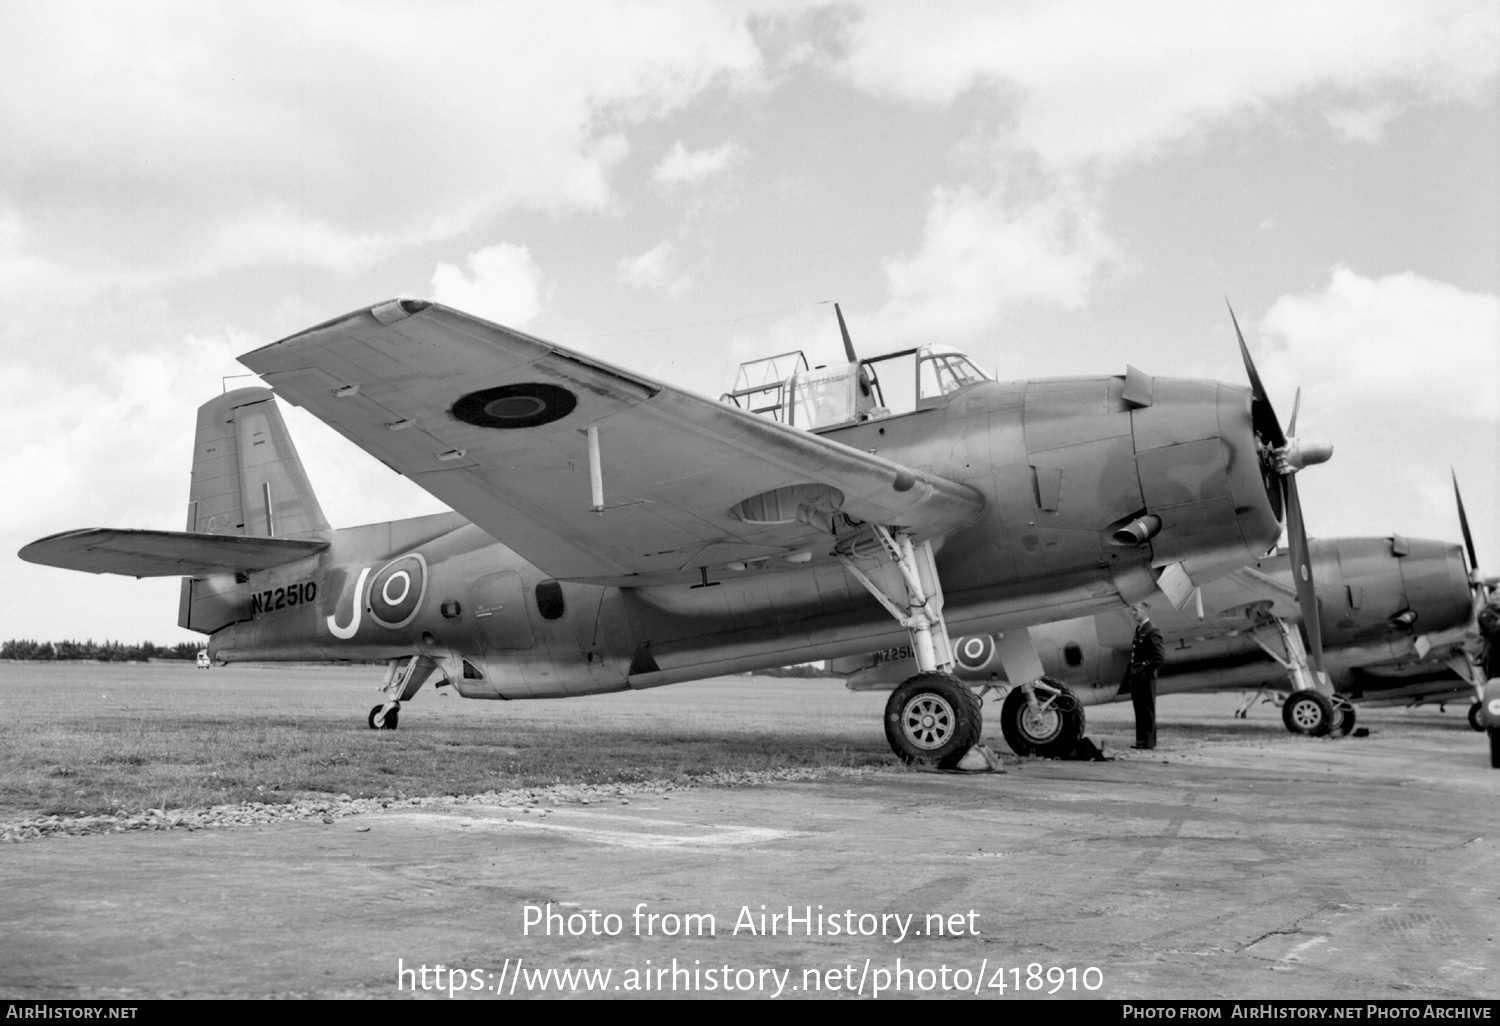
<point x="1051" y="727"/>
<point x="403" y="679"/>
<point x="932" y="718"/>
<point x="1310" y="708"/>
<point x="1242" y="712"/>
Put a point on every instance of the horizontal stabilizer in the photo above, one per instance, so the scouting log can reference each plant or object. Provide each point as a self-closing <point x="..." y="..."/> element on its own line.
<point x="103" y="550"/>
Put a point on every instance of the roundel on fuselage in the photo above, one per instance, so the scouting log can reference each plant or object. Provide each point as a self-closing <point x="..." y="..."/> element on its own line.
<point x="976" y="651"/>
<point x="397" y="590"/>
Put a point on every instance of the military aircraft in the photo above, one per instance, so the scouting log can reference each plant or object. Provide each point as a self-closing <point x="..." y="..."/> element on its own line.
<point x="1396" y="617"/>
<point x="611" y="531"/>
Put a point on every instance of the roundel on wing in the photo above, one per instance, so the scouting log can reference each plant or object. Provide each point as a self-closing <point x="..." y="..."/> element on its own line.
<point x="522" y="405"/>
<point x="976" y="651"/>
<point x="397" y="590"/>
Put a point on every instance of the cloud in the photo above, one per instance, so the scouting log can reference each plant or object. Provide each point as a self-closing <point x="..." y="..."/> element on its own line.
<point x="1371" y="346"/>
<point x="109" y="444"/>
<point x="504" y="285"/>
<point x="654" y="270"/>
<point x="683" y="167"/>
<point x="1069" y="94"/>
<point x="1363" y="124"/>
<point x="980" y="252"/>
<point x="1107" y="82"/>
<point x="158" y="140"/>
<point x="1401" y="374"/>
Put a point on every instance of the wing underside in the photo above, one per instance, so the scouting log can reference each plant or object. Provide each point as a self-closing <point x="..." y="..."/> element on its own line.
<point x="497" y="424"/>
<point x="100" y="550"/>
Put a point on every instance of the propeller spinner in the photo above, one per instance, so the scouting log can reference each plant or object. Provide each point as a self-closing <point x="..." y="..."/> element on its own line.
<point x="1283" y="454"/>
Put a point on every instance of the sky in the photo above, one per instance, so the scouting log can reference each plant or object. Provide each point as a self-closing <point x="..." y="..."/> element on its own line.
<point x="1056" y="188"/>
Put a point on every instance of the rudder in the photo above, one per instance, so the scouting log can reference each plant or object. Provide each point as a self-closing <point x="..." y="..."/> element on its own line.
<point x="247" y="477"/>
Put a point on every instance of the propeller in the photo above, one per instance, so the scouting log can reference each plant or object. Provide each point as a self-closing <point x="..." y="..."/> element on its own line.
<point x="1483" y="588"/>
<point x="866" y="400"/>
<point x="844" y="331"/>
<point x="1482" y="585"/>
<point x="1282" y="455"/>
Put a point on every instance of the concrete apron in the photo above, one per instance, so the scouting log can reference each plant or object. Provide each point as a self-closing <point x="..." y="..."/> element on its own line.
<point x="1289" y="868"/>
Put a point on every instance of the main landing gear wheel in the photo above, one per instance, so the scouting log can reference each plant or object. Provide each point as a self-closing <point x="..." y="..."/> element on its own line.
<point x="1053" y="731"/>
<point x="1474" y="717"/>
<point x="389" y="721"/>
<point x="932" y="719"/>
<point x="1309" y="712"/>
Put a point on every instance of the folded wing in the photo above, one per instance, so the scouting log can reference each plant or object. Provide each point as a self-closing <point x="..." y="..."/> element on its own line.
<point x="496" y="424"/>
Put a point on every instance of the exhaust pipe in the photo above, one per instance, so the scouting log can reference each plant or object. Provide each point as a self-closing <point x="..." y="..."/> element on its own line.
<point x="1139" y="531"/>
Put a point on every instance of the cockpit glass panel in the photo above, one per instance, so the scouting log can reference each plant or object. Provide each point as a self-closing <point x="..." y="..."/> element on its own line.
<point x="822" y="398"/>
<point x="940" y="374"/>
<point x="894" y="380"/>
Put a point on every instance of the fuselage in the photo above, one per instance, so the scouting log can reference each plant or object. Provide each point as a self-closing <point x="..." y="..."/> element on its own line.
<point x="1061" y="464"/>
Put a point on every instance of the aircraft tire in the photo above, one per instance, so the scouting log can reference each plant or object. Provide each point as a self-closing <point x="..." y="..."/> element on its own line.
<point x="932" y="719"/>
<point x="391" y="718"/>
<point x="1308" y="712"/>
<point x="1346" y="720"/>
<point x="1052" y="736"/>
<point x="1494" y="733"/>
<point x="1474" y="717"/>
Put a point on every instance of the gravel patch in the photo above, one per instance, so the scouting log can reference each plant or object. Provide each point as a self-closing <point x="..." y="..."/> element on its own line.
<point x="332" y="809"/>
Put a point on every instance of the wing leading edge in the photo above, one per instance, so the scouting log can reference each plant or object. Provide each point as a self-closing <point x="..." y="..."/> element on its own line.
<point x="497" y="424"/>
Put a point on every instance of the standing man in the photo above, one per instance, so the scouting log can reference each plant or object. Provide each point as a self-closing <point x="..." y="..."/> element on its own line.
<point x="1489" y="631"/>
<point x="1147" y="653"/>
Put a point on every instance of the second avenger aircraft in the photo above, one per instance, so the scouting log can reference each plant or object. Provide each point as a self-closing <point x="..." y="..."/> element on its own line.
<point x="613" y="532"/>
<point x="1398" y="619"/>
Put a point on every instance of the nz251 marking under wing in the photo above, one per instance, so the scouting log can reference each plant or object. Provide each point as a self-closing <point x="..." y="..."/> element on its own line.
<point x="610" y="531"/>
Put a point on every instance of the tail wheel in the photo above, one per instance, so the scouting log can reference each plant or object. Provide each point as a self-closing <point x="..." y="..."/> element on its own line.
<point x="1309" y="712"/>
<point x="388" y="722"/>
<point x="932" y="719"/>
<point x="1051" y="732"/>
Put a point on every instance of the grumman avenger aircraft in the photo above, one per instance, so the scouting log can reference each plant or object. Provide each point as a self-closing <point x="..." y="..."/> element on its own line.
<point x="613" y="532"/>
<point x="1397" y="618"/>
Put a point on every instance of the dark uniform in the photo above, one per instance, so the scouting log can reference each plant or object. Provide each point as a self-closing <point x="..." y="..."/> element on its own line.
<point x="1489" y="630"/>
<point x="1147" y="653"/>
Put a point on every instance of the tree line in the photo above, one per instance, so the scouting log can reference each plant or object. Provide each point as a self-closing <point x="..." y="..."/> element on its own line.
<point x="102" y="651"/>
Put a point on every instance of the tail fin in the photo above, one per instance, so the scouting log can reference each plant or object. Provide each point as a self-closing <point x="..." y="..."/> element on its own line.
<point x="247" y="479"/>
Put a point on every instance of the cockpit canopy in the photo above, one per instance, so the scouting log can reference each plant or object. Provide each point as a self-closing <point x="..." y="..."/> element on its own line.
<point x="783" y="388"/>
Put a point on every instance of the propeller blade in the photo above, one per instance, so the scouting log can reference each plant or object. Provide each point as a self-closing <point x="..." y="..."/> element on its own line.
<point x="1291" y="427"/>
<point x="1266" y="421"/>
<point x="1463" y="522"/>
<point x="848" y="344"/>
<point x="1307" y="593"/>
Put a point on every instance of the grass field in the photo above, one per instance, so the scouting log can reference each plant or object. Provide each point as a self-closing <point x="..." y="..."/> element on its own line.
<point x="79" y="738"/>
<point x="95" y="738"/>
